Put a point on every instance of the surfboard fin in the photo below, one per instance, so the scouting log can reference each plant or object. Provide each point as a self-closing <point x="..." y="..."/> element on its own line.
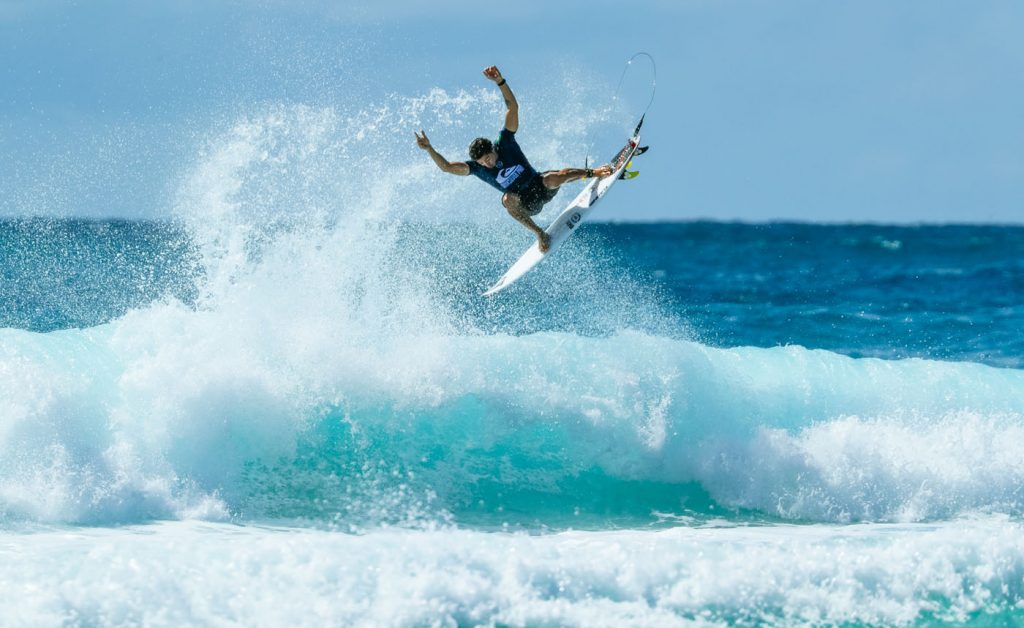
<point x="629" y="174"/>
<point x="641" y="150"/>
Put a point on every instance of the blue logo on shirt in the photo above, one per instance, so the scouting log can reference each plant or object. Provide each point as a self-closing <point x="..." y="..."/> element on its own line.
<point x="508" y="175"/>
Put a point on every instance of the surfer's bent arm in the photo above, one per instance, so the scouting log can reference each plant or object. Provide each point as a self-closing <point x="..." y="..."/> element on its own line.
<point x="512" y="116"/>
<point x="451" y="167"/>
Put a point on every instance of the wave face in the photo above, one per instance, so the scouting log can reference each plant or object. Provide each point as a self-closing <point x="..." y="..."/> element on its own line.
<point x="108" y="425"/>
<point x="311" y="346"/>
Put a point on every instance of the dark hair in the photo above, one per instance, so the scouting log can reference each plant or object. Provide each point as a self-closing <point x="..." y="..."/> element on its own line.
<point x="480" y="147"/>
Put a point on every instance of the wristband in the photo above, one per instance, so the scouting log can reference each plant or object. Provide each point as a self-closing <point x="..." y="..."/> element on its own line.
<point x="503" y="81"/>
<point x="589" y="174"/>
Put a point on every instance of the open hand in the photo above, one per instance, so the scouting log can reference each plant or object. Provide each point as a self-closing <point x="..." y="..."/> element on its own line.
<point x="421" y="140"/>
<point x="493" y="73"/>
<point x="603" y="171"/>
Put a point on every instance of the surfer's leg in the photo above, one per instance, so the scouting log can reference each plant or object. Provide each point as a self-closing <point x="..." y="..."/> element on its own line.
<point x="515" y="209"/>
<point x="556" y="178"/>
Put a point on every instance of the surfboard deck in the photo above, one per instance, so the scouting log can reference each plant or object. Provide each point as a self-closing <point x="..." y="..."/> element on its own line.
<point x="573" y="215"/>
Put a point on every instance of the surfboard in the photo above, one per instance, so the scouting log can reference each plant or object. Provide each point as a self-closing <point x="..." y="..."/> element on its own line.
<point x="574" y="214"/>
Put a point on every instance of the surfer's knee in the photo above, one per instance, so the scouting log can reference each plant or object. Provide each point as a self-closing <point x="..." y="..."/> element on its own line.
<point x="511" y="203"/>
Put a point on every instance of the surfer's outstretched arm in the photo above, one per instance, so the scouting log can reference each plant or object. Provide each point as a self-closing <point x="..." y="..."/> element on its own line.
<point x="512" y="116"/>
<point x="451" y="167"/>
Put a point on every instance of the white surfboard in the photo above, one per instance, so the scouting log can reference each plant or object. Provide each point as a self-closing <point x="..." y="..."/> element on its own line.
<point x="572" y="216"/>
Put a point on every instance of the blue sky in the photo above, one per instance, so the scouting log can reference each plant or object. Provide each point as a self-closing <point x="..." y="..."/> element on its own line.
<point x="806" y="110"/>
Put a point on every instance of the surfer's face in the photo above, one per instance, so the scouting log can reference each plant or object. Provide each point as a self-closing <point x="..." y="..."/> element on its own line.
<point x="489" y="160"/>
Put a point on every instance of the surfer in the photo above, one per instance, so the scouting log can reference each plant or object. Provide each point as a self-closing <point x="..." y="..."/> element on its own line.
<point x="503" y="165"/>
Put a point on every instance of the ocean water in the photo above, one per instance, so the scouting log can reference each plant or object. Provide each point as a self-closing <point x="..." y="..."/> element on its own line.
<point x="286" y="403"/>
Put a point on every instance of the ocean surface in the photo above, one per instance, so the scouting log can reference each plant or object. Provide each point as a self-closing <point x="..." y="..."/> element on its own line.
<point x="286" y="403"/>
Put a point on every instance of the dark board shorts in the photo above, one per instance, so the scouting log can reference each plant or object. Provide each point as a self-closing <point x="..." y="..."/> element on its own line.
<point x="535" y="196"/>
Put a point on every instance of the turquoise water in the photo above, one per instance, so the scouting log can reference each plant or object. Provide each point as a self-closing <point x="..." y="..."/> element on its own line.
<point x="287" y="403"/>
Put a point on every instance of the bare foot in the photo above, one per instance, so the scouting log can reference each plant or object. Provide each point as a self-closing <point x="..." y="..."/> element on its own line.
<point x="543" y="242"/>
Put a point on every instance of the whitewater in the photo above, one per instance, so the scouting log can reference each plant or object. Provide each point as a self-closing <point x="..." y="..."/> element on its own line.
<point x="288" y="404"/>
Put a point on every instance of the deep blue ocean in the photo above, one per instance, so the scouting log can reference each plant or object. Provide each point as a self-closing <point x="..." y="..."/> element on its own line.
<point x="934" y="292"/>
<point x="692" y="422"/>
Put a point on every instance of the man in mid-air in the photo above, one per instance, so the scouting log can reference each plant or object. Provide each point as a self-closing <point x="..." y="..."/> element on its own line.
<point x="503" y="165"/>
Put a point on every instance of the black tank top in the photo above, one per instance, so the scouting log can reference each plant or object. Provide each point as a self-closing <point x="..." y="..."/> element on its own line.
<point x="512" y="172"/>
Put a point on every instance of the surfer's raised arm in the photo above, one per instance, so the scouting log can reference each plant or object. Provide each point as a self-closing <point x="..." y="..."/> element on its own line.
<point x="451" y="167"/>
<point x="512" y="117"/>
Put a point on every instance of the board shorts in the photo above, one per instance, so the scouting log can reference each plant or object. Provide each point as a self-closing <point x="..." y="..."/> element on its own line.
<point x="534" y="196"/>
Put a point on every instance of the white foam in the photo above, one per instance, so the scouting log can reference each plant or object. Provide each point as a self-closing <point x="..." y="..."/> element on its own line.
<point x="208" y="574"/>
